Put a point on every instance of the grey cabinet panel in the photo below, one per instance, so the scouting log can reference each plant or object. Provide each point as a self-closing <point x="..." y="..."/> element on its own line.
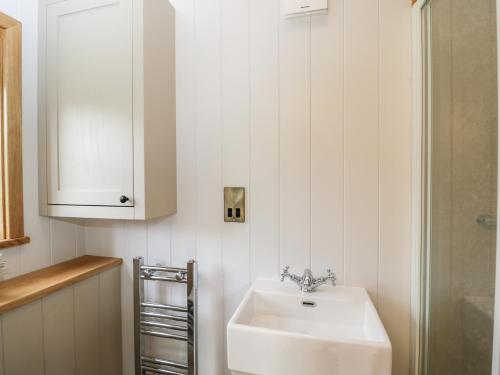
<point x="23" y="340"/>
<point x="110" y="322"/>
<point x="58" y="332"/>
<point x="87" y="326"/>
<point x="74" y="331"/>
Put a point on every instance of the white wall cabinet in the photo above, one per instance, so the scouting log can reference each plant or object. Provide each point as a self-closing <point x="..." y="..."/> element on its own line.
<point x="107" y="108"/>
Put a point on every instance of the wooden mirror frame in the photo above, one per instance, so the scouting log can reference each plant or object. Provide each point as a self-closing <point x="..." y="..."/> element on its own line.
<point x="11" y="168"/>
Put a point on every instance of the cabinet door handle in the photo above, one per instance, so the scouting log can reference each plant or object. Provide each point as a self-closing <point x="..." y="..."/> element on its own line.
<point x="124" y="199"/>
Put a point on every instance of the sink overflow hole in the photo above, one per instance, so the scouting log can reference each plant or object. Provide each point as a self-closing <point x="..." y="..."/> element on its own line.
<point x="308" y="304"/>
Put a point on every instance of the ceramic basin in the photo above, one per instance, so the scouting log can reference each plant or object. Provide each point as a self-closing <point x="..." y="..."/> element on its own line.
<point x="279" y="330"/>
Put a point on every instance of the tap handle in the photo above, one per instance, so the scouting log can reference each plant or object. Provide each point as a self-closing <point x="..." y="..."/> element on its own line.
<point x="284" y="273"/>
<point x="331" y="275"/>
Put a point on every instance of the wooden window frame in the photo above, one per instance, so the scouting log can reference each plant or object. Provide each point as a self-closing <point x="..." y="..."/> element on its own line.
<point x="11" y="163"/>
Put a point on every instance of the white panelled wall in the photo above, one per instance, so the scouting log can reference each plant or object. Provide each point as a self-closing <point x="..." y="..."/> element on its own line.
<point x="52" y="241"/>
<point x="312" y="116"/>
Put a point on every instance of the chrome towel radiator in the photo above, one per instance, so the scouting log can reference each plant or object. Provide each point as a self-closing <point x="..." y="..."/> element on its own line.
<point x="154" y="319"/>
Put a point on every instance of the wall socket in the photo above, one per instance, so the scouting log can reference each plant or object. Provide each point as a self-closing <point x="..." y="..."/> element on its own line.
<point x="234" y="204"/>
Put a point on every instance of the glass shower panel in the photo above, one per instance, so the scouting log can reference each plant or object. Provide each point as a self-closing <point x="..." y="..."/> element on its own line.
<point x="461" y="78"/>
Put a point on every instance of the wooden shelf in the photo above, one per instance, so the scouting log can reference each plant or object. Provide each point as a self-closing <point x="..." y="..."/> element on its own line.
<point x="27" y="288"/>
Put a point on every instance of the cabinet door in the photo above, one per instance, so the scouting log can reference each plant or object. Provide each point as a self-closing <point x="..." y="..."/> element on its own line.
<point x="89" y="102"/>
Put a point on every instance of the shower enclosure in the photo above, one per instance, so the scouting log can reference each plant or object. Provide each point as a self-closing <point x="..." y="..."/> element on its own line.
<point x="457" y="164"/>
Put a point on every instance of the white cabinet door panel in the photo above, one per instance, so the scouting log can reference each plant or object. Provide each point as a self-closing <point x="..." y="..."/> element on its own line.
<point x="89" y="102"/>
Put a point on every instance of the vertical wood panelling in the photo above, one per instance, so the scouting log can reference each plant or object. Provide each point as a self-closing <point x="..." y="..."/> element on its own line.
<point x="327" y="148"/>
<point x="64" y="237"/>
<point x="38" y="253"/>
<point x="209" y="181"/>
<point x="109" y="326"/>
<point x="23" y="340"/>
<point x="293" y="110"/>
<point x="183" y="225"/>
<point x="361" y="124"/>
<point x="184" y="222"/>
<point x="87" y="326"/>
<point x="158" y="241"/>
<point x="295" y="142"/>
<point x="290" y="85"/>
<point x="235" y="145"/>
<point x="80" y="240"/>
<point x="58" y="332"/>
<point x="104" y="237"/>
<point x="76" y="330"/>
<point x="235" y="90"/>
<point x="395" y="178"/>
<point x="264" y="191"/>
<point x="159" y="252"/>
<point x="13" y="260"/>
<point x="134" y="244"/>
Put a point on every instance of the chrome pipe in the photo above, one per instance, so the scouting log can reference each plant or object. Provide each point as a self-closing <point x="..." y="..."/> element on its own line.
<point x="160" y="371"/>
<point x="148" y="314"/>
<point x="164" y="307"/>
<point x="164" y="362"/>
<point x="163" y="278"/>
<point x="164" y="269"/>
<point x="164" y="335"/>
<point x="163" y="325"/>
<point x="138" y="301"/>
<point x="192" y="316"/>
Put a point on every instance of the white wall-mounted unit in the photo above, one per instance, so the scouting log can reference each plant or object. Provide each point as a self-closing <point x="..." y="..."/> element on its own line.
<point x="107" y="108"/>
<point x="294" y="8"/>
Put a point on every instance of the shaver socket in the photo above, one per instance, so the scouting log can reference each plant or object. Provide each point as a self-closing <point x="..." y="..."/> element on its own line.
<point x="234" y="204"/>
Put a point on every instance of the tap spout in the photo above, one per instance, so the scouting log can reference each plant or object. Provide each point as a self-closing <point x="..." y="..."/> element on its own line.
<point x="307" y="283"/>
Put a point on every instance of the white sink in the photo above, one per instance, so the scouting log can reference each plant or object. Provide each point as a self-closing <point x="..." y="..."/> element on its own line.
<point x="275" y="331"/>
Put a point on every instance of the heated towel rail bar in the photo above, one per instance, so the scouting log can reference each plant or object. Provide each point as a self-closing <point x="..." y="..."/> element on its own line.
<point x="165" y="321"/>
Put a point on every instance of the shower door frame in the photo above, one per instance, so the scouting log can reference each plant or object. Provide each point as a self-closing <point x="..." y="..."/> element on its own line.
<point x="419" y="303"/>
<point x="420" y="202"/>
<point x="496" y="329"/>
